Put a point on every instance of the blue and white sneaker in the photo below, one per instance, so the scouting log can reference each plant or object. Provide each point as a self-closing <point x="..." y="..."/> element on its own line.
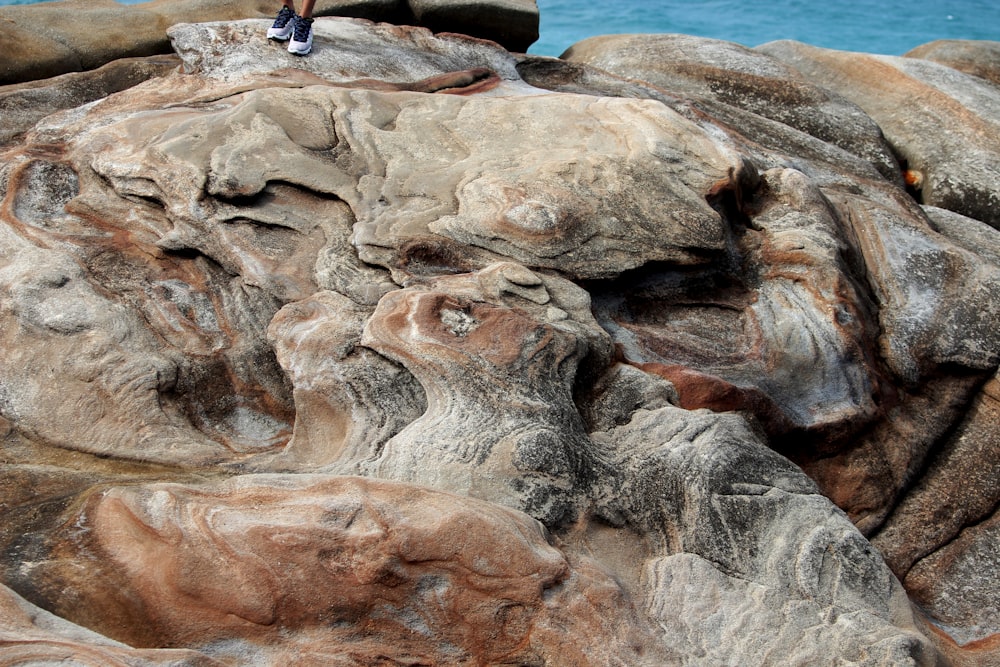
<point x="282" y="28"/>
<point x="302" y="36"/>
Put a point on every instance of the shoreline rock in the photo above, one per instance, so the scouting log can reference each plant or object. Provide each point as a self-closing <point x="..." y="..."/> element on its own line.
<point x="943" y="123"/>
<point x="425" y="350"/>
<point x="44" y="40"/>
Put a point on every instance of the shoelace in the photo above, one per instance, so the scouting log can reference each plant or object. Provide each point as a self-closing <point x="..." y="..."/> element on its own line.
<point x="300" y="32"/>
<point x="283" y="17"/>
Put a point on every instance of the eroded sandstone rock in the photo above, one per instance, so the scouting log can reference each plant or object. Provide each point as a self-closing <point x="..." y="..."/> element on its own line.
<point x="735" y="76"/>
<point x="869" y="473"/>
<point x="466" y="338"/>
<point x="339" y="568"/>
<point x="590" y="332"/>
<point x="943" y="123"/>
<point x="775" y="557"/>
<point x="955" y="505"/>
<point x="25" y="104"/>
<point x="33" y="636"/>
<point x="54" y="38"/>
<point x="978" y="58"/>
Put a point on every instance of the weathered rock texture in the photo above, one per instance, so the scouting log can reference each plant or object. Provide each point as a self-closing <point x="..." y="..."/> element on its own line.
<point x="369" y="569"/>
<point x="23" y="105"/>
<point x="943" y="123"/>
<point x="721" y="75"/>
<point x="53" y="38"/>
<point x="978" y="58"/>
<point x="418" y="352"/>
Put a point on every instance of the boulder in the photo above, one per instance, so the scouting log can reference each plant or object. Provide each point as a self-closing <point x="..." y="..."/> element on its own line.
<point x="978" y="58"/>
<point x="25" y="104"/>
<point x="52" y="38"/>
<point x="289" y="568"/>
<point x="943" y="124"/>
<point x="879" y="214"/>
<point x="736" y="76"/>
<point x="512" y="23"/>
<point x="366" y="55"/>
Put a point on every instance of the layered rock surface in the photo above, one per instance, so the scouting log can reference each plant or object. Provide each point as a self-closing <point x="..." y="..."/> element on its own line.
<point x="73" y="35"/>
<point x="416" y="351"/>
<point x="943" y="123"/>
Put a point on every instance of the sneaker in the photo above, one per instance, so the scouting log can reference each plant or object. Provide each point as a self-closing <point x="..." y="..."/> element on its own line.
<point x="282" y="28"/>
<point x="302" y="36"/>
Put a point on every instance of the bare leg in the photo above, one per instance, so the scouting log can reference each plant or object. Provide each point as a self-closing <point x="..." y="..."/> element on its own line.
<point x="307" y="8"/>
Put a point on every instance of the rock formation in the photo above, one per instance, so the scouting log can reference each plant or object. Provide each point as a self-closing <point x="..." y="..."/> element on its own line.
<point x="418" y="351"/>
<point x="978" y="58"/>
<point x="944" y="123"/>
<point x="55" y="38"/>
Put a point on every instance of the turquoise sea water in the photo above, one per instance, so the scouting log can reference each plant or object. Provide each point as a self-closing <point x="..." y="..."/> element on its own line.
<point x="891" y="27"/>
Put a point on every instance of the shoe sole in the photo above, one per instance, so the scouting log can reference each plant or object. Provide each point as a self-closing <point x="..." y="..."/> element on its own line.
<point x="296" y="50"/>
<point x="279" y="38"/>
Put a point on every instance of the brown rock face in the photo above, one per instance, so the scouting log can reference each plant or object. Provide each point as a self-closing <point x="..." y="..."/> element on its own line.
<point x="33" y="636"/>
<point x="418" y="352"/>
<point x="978" y="58"/>
<point x="370" y="569"/>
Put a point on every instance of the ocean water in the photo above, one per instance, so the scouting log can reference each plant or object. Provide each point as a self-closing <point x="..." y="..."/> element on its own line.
<point x="890" y="27"/>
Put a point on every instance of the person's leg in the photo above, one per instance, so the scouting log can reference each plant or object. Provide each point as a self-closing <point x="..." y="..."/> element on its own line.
<point x="307" y="8"/>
